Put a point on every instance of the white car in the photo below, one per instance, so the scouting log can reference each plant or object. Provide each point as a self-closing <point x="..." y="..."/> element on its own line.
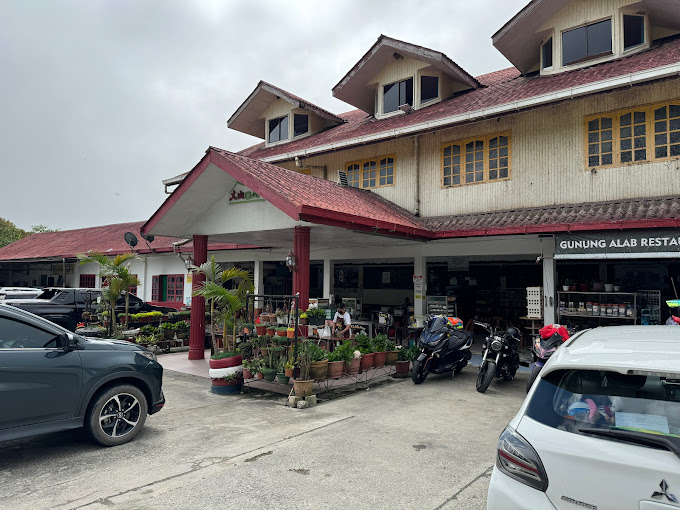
<point x="19" y="292"/>
<point x="600" y="428"/>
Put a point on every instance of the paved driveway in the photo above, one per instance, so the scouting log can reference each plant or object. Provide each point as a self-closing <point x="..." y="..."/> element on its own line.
<point x="394" y="446"/>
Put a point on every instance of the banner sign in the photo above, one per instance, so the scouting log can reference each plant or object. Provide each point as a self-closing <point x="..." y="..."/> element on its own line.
<point x="608" y="244"/>
<point x="242" y="195"/>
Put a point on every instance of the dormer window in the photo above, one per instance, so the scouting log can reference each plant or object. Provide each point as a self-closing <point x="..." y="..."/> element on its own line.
<point x="633" y="31"/>
<point x="300" y="124"/>
<point x="397" y="94"/>
<point x="547" y="54"/>
<point x="278" y="129"/>
<point x="429" y="88"/>
<point x="587" y="42"/>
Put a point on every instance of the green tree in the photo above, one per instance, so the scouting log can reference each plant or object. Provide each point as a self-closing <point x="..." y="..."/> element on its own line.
<point x="116" y="273"/>
<point x="10" y="233"/>
<point x="227" y="302"/>
<point x="37" y="229"/>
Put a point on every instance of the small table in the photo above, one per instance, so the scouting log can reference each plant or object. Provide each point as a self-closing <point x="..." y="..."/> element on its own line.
<point x="534" y="328"/>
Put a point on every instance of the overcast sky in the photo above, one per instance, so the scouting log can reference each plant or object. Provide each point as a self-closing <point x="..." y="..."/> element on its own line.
<point x="101" y="100"/>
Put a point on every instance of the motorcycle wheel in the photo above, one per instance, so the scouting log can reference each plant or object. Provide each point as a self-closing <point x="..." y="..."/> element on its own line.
<point x="486" y="372"/>
<point x="417" y="372"/>
<point x="532" y="377"/>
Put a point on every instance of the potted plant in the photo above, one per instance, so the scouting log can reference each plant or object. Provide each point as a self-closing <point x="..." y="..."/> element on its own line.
<point x="168" y="330"/>
<point x="248" y="328"/>
<point x="303" y="385"/>
<point x="228" y="384"/>
<point x="248" y="367"/>
<point x="290" y="333"/>
<point x="365" y="347"/>
<point x="303" y="318"/>
<point x="281" y="374"/>
<point x="392" y="353"/>
<point x="282" y="332"/>
<point x="281" y="316"/>
<point x="318" y="367"/>
<point x="182" y="329"/>
<point x="288" y="367"/>
<point x="271" y="330"/>
<point x="260" y="327"/>
<point x="316" y="316"/>
<point x="379" y="350"/>
<point x="404" y="358"/>
<point x="339" y="358"/>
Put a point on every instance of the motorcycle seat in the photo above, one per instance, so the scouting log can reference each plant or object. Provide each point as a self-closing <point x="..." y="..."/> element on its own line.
<point x="458" y="339"/>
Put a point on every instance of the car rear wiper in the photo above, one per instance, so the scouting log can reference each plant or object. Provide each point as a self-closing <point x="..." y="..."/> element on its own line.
<point x="635" y="437"/>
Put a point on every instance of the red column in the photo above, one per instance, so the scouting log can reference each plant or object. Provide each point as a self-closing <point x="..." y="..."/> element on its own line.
<point x="197" y="332"/>
<point x="301" y="276"/>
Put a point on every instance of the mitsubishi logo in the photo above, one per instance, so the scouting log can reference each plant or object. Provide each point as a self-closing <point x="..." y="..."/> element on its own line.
<point x="664" y="492"/>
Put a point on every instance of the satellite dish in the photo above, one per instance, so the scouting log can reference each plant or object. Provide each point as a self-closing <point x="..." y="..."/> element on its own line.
<point x="131" y="239"/>
<point x="147" y="237"/>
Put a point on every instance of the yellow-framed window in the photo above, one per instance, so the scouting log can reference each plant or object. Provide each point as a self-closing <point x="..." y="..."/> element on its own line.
<point x="633" y="135"/>
<point x="474" y="160"/>
<point x="371" y="172"/>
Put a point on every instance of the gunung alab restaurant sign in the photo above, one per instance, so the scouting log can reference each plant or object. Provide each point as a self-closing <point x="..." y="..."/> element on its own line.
<point x="242" y="195"/>
<point x="618" y="244"/>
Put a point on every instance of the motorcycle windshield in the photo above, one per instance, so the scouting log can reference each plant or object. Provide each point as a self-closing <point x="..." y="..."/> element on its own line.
<point x="431" y="339"/>
<point x="436" y="325"/>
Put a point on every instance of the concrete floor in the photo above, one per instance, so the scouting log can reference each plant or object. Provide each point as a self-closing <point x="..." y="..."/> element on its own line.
<point x="396" y="445"/>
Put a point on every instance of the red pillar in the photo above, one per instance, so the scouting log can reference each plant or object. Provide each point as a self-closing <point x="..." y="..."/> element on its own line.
<point x="197" y="332"/>
<point x="301" y="276"/>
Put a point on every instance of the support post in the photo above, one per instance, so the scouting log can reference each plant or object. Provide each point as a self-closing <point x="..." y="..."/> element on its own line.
<point x="419" y="291"/>
<point x="327" y="278"/>
<point x="301" y="250"/>
<point x="197" y="333"/>
<point x="549" y="272"/>
<point x="258" y="282"/>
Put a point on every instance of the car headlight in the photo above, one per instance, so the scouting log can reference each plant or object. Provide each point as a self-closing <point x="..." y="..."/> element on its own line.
<point x="148" y="354"/>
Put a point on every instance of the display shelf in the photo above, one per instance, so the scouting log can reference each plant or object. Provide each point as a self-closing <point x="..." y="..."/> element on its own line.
<point x="604" y="299"/>
<point x="576" y="314"/>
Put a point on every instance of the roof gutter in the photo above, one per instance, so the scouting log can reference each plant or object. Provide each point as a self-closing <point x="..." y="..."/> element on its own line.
<point x="627" y="80"/>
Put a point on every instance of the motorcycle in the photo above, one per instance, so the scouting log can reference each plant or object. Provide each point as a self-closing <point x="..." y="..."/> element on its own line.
<point x="673" y="320"/>
<point x="444" y="347"/>
<point x="501" y="356"/>
<point x="550" y="338"/>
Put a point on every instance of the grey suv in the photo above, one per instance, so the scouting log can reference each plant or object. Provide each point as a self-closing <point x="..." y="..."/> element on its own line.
<point x="52" y="379"/>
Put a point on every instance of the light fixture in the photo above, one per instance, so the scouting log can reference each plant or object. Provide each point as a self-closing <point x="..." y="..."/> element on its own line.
<point x="188" y="262"/>
<point x="291" y="263"/>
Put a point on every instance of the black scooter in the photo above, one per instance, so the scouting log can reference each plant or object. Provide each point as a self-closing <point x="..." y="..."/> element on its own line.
<point x="442" y="349"/>
<point x="501" y="356"/>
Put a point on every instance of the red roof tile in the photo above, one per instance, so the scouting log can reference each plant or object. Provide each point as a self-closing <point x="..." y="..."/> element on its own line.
<point x="107" y="239"/>
<point x="500" y="87"/>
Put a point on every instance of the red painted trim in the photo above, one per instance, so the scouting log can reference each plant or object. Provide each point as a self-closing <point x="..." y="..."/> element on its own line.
<point x="177" y="193"/>
<point x="197" y="319"/>
<point x="562" y="227"/>
<point x="171" y="304"/>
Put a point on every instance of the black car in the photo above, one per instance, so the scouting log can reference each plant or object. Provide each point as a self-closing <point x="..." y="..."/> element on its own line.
<point x="52" y="379"/>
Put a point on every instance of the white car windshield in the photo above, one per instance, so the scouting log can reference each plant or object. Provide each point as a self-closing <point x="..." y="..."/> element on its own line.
<point x="631" y="407"/>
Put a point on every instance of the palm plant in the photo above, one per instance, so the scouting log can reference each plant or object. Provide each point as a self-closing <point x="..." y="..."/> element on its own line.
<point x="225" y="301"/>
<point x="116" y="274"/>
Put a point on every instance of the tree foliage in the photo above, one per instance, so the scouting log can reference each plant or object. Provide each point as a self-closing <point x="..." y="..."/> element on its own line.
<point x="10" y="233"/>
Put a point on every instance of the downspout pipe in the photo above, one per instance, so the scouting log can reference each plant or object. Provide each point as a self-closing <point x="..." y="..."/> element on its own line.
<point x="416" y="153"/>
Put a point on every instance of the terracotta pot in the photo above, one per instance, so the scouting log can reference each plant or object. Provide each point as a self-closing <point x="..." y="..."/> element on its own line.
<point x="281" y="333"/>
<point x="289" y="372"/>
<point x="247" y="374"/>
<point x="366" y="362"/>
<point x="246" y="331"/>
<point x="391" y="357"/>
<point x="303" y="388"/>
<point x="234" y="361"/>
<point x="271" y="331"/>
<point x="290" y="334"/>
<point x="261" y="330"/>
<point x="401" y="367"/>
<point x="318" y="370"/>
<point x="572" y="288"/>
<point x="379" y="359"/>
<point x="335" y="369"/>
<point x="185" y="342"/>
<point x="352" y="368"/>
<point x="259" y="375"/>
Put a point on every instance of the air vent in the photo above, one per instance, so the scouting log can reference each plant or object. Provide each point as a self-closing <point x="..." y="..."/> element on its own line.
<point x="343" y="179"/>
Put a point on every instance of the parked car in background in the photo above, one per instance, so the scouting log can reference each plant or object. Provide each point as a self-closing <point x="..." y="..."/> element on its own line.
<point x="52" y="379"/>
<point x="600" y="428"/>
<point x="19" y="292"/>
<point x="65" y="306"/>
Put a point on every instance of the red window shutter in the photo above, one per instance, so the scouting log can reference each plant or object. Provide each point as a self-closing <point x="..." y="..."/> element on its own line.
<point x="155" y="288"/>
<point x="87" y="281"/>
<point x="133" y="289"/>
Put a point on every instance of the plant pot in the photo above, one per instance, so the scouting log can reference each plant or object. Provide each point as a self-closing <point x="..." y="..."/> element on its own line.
<point x="247" y="374"/>
<point x="281" y="333"/>
<point x="304" y="321"/>
<point x="185" y="342"/>
<point x="163" y="345"/>
<point x="233" y="361"/>
<point x="290" y="334"/>
<point x="271" y="331"/>
<point x="318" y="370"/>
<point x="222" y="387"/>
<point x="261" y="330"/>
<point x="264" y="351"/>
<point x="303" y="388"/>
<point x="269" y="376"/>
<point x="391" y="357"/>
<point x="401" y="368"/>
<point x="282" y="378"/>
<point x="317" y="321"/>
<point x="352" y="368"/>
<point x="289" y="372"/>
<point x="168" y="334"/>
<point x="335" y="369"/>
<point x="379" y="359"/>
<point x="572" y="288"/>
<point x="565" y="288"/>
<point x="280" y="320"/>
<point x="583" y="287"/>
<point x="259" y="375"/>
<point x="366" y="362"/>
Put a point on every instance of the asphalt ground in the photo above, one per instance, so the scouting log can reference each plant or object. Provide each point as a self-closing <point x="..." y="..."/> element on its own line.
<point x="395" y="445"/>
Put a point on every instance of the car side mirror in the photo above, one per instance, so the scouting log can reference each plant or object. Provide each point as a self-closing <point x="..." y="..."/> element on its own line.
<point x="69" y="342"/>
